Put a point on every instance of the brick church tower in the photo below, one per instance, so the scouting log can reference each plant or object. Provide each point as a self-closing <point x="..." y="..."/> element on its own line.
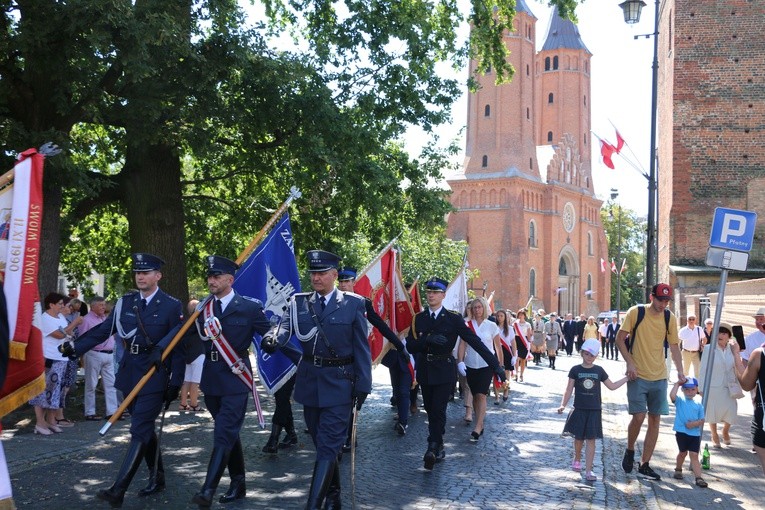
<point x="525" y="202"/>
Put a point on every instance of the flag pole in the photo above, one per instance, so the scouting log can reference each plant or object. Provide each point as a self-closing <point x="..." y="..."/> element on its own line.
<point x="294" y="193"/>
<point x="377" y="257"/>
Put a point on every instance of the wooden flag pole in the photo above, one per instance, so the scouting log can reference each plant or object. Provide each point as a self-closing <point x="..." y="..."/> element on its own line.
<point x="294" y="193"/>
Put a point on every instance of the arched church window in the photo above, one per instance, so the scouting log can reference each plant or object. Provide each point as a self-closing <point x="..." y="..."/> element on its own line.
<point x="562" y="269"/>
<point x="532" y="234"/>
<point x="589" y="285"/>
<point x="550" y="98"/>
<point x="555" y="62"/>
<point x="547" y="63"/>
<point x="589" y="243"/>
<point x="532" y="283"/>
<point x="487" y="111"/>
<point x="485" y="161"/>
<point x="549" y="136"/>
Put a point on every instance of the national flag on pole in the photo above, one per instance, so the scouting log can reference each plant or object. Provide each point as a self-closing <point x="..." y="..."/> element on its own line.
<point x="602" y="265"/>
<point x="490" y="300"/>
<point x="613" y="266"/>
<point x="21" y="206"/>
<point x="381" y="282"/>
<point x="619" y="141"/>
<point x="624" y="265"/>
<point x="270" y="274"/>
<point x="607" y="150"/>
<point x="456" y="295"/>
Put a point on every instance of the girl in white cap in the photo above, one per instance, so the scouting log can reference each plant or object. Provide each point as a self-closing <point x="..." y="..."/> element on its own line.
<point x="584" y="422"/>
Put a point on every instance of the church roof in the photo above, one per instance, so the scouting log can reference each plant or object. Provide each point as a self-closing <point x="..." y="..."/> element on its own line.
<point x="521" y="6"/>
<point x="563" y="34"/>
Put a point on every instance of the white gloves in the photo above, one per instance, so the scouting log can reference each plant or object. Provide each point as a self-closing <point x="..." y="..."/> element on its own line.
<point x="462" y="368"/>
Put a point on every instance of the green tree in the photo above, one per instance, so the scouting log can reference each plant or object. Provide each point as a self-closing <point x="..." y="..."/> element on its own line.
<point x="165" y="108"/>
<point x="625" y="225"/>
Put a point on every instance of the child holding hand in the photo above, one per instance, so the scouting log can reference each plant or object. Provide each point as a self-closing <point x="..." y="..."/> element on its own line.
<point x="689" y="422"/>
<point x="585" y="422"/>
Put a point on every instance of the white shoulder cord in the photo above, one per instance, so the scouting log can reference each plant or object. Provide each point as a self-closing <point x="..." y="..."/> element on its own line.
<point x="118" y="323"/>
<point x="294" y="326"/>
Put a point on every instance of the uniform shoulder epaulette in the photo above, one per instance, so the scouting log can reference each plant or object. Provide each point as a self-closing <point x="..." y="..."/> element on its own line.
<point x="254" y="300"/>
<point x="353" y="294"/>
<point x="454" y="312"/>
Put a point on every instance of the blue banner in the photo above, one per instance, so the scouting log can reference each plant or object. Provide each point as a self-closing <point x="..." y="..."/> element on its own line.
<point x="270" y="274"/>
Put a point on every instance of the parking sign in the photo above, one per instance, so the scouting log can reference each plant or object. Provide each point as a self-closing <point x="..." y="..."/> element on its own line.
<point x="733" y="229"/>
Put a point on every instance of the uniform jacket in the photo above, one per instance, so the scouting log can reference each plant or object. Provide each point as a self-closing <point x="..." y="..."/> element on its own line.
<point x="345" y="325"/>
<point x="441" y="368"/>
<point x="161" y="320"/>
<point x="552" y="328"/>
<point x="570" y="329"/>
<point x="242" y="318"/>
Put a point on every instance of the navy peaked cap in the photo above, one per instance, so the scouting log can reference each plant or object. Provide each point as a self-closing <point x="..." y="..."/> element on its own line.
<point x="320" y="261"/>
<point x="220" y="265"/>
<point x="146" y="262"/>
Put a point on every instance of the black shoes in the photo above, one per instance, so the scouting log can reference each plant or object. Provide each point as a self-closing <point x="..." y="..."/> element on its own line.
<point x="401" y="428"/>
<point x="628" y="461"/>
<point x="645" y="471"/>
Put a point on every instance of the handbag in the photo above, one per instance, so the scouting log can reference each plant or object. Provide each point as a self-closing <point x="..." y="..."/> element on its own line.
<point x="734" y="387"/>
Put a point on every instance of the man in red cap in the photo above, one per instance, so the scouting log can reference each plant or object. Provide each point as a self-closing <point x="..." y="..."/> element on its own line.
<point x="647" y="385"/>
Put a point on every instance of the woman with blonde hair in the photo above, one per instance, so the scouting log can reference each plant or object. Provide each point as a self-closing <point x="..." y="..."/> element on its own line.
<point x="470" y="364"/>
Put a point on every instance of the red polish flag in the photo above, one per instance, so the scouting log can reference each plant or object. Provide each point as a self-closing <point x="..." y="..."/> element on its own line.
<point x="607" y="150"/>
<point x="624" y="265"/>
<point x="602" y="265"/>
<point x="619" y="142"/>
<point x="414" y="293"/>
<point x="20" y="229"/>
<point x="613" y="266"/>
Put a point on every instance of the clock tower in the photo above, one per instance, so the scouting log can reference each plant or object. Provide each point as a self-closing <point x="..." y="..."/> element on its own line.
<point x="525" y="202"/>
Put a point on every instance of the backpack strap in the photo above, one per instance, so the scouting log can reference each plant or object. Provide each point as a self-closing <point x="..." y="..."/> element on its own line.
<point x="640" y="317"/>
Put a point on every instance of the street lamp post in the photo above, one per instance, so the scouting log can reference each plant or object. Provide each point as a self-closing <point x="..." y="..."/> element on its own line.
<point x="631" y="9"/>
<point x="614" y="195"/>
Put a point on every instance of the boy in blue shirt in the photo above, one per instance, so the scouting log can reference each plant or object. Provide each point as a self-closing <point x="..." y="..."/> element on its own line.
<point x="689" y="422"/>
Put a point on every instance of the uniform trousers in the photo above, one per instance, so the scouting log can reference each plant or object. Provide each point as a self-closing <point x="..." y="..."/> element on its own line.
<point x="328" y="427"/>
<point x="283" y="405"/>
<point x="570" y="345"/>
<point x="228" y="412"/>
<point x="436" y="398"/>
<point x="401" y="381"/>
<point x="144" y="411"/>
<point x="99" y="363"/>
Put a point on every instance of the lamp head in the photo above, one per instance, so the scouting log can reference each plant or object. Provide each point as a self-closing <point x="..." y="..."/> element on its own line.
<point x="632" y="10"/>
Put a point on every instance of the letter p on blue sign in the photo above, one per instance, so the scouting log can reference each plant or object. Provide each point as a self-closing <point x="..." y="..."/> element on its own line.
<point x="733" y="229"/>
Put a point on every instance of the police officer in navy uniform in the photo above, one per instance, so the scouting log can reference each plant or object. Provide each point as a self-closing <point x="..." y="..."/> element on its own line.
<point x="146" y="321"/>
<point x="397" y="360"/>
<point x="226" y="394"/>
<point x="335" y="371"/>
<point x="431" y="339"/>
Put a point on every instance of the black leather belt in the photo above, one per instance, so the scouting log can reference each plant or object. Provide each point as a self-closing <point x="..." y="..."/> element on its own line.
<point x="140" y="349"/>
<point x="105" y="352"/>
<point x="434" y="357"/>
<point x="688" y="350"/>
<point x="327" y="362"/>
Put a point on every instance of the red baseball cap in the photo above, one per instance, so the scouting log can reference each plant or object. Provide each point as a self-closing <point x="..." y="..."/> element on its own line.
<point x="662" y="291"/>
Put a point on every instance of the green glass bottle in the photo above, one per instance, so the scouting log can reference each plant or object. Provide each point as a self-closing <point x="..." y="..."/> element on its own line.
<point x="705" y="457"/>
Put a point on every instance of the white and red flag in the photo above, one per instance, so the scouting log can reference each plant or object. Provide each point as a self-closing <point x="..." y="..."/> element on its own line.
<point x="381" y="282"/>
<point x="624" y="265"/>
<point x="607" y="150"/>
<point x="619" y="142"/>
<point x="414" y="292"/>
<point x="21" y="206"/>
<point x="602" y="265"/>
<point x="613" y="266"/>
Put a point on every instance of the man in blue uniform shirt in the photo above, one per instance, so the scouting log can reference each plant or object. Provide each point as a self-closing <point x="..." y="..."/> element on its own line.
<point x="146" y="321"/>
<point x="227" y="323"/>
<point x="336" y="369"/>
<point x="431" y="339"/>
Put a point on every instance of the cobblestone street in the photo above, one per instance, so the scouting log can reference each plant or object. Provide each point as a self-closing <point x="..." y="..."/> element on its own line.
<point x="521" y="461"/>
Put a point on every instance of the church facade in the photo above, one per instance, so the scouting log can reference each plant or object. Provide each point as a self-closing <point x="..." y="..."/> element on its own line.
<point x="525" y="202"/>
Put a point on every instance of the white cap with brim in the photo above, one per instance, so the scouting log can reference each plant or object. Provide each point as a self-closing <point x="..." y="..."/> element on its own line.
<point x="592" y="346"/>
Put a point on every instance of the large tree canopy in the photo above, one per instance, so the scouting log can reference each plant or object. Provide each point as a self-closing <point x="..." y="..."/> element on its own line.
<point x="183" y="126"/>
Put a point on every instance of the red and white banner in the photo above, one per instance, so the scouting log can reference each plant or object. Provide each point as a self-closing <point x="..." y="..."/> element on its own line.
<point x="20" y="229"/>
<point x="381" y="282"/>
<point x="414" y="292"/>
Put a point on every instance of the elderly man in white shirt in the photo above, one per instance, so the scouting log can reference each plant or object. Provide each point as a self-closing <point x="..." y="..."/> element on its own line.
<point x="756" y="338"/>
<point x="692" y="341"/>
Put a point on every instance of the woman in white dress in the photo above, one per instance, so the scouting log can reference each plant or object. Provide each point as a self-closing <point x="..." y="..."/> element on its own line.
<point x="721" y="405"/>
<point x="478" y="373"/>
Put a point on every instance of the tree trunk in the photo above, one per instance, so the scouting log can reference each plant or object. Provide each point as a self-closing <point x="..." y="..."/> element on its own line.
<point x="50" y="239"/>
<point x="153" y="201"/>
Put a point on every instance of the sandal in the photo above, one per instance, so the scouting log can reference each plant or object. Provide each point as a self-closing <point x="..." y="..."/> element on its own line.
<point x="63" y="422"/>
<point x="184" y="407"/>
<point x="700" y="482"/>
<point x="678" y="474"/>
<point x="195" y="409"/>
<point x="590" y="477"/>
<point x="93" y="417"/>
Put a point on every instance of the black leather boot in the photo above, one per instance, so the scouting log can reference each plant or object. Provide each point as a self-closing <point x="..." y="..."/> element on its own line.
<point x="429" y="459"/>
<point x="323" y="472"/>
<point x="291" y="438"/>
<point x="237" y="489"/>
<point x="130" y="464"/>
<point x="218" y="463"/>
<point x="156" y="476"/>
<point x="272" y="446"/>
<point x="333" y="493"/>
